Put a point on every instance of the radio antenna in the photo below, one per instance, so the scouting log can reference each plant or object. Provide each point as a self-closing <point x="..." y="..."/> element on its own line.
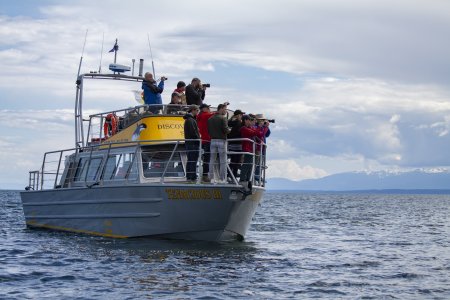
<point x="82" y="52"/>
<point x="101" y="55"/>
<point x="151" y="55"/>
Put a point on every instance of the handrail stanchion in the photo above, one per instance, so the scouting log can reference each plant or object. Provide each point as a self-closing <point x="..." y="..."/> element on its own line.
<point x="200" y="161"/>
<point x="252" y="176"/>
<point x="101" y="174"/>
<point x="127" y="173"/>
<point x="57" y="170"/>
<point x="167" y="164"/>
<point x="260" y="163"/>
<point x="42" y="170"/>
<point x="228" y="165"/>
<point x="88" y="166"/>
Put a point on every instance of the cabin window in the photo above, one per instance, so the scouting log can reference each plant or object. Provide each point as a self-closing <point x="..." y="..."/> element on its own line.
<point x="88" y="171"/>
<point x="156" y="160"/>
<point x="118" y="167"/>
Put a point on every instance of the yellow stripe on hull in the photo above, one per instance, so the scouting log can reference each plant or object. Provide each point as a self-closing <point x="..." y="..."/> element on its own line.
<point x="111" y="235"/>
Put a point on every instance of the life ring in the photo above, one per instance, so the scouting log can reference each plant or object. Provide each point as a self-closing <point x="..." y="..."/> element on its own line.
<point x="110" y="126"/>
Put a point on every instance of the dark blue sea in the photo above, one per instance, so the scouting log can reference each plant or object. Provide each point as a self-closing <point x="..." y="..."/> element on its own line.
<point x="300" y="246"/>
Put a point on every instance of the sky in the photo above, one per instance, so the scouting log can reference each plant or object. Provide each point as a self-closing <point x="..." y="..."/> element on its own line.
<point x="353" y="85"/>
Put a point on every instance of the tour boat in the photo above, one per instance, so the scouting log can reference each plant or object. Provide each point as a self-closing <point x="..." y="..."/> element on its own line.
<point x="126" y="177"/>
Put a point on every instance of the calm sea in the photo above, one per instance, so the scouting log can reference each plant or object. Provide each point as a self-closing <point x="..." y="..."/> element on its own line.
<point x="334" y="246"/>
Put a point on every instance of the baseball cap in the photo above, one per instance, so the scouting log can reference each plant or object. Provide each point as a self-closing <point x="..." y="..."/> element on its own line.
<point x="238" y="112"/>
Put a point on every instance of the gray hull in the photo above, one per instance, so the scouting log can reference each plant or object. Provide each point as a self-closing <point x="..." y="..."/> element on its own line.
<point x="194" y="212"/>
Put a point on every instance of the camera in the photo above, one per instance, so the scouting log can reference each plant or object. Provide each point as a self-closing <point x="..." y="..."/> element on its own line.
<point x="271" y="121"/>
<point x="164" y="78"/>
<point x="206" y="85"/>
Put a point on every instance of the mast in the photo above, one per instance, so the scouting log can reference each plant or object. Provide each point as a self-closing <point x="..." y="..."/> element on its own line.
<point x="78" y="105"/>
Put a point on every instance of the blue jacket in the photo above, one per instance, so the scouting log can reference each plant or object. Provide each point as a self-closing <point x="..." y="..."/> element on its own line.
<point x="152" y="92"/>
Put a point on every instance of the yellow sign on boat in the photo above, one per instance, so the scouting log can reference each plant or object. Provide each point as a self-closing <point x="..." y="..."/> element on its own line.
<point x="153" y="128"/>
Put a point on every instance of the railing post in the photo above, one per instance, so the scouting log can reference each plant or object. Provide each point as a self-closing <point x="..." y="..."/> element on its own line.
<point x="200" y="162"/>
<point x="127" y="174"/>
<point x="88" y="166"/>
<point x="104" y="164"/>
<point x="57" y="170"/>
<point x="170" y="159"/>
<point x="43" y="170"/>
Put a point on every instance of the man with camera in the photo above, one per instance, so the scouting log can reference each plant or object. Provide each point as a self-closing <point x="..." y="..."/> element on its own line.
<point x="152" y="92"/>
<point x="195" y="92"/>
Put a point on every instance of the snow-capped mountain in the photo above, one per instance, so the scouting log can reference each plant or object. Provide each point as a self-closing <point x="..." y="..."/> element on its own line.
<point x="434" y="179"/>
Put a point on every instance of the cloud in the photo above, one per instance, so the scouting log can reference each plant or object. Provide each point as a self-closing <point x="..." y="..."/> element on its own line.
<point x="292" y="170"/>
<point x="346" y="81"/>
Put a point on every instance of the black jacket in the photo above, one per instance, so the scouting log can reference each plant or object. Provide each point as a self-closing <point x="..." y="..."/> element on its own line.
<point x="190" y="127"/>
<point x="194" y="96"/>
<point x="235" y="132"/>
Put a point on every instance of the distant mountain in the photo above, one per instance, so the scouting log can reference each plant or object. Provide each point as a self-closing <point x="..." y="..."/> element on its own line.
<point x="382" y="180"/>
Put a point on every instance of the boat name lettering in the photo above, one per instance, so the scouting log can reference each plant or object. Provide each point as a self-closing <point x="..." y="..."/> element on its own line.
<point x="191" y="194"/>
<point x="170" y="126"/>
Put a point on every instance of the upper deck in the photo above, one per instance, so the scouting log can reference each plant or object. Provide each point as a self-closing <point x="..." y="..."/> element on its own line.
<point x="138" y="145"/>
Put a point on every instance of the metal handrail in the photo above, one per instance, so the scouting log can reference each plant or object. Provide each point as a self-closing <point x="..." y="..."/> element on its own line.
<point x="38" y="177"/>
<point x="167" y="164"/>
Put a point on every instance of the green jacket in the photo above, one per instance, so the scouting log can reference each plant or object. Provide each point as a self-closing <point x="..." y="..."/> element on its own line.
<point x="218" y="127"/>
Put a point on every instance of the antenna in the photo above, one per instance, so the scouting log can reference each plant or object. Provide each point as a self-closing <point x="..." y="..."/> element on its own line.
<point x="151" y="54"/>
<point x="101" y="55"/>
<point x="82" y="52"/>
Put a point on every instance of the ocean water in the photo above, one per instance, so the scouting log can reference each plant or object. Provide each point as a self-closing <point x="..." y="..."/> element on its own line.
<point x="330" y="246"/>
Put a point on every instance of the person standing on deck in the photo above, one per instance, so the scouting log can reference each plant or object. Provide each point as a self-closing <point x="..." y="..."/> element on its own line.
<point x="152" y="92"/>
<point x="218" y="130"/>
<point x="195" y="92"/>
<point x="181" y="88"/>
<point x="250" y="133"/>
<point x="235" y="123"/>
<point x="202" y="122"/>
<point x="262" y="126"/>
<point x="192" y="147"/>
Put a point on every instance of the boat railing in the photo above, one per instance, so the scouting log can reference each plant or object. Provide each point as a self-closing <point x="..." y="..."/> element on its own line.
<point x="128" y="116"/>
<point x="136" y="162"/>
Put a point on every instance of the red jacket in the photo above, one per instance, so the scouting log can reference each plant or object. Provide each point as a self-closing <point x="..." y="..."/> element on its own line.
<point x="202" y="123"/>
<point x="249" y="133"/>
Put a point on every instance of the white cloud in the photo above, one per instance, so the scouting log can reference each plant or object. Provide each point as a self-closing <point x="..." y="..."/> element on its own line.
<point x="348" y="79"/>
<point x="292" y="170"/>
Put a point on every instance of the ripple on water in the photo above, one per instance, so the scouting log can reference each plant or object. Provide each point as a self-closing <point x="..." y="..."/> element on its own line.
<point x="299" y="246"/>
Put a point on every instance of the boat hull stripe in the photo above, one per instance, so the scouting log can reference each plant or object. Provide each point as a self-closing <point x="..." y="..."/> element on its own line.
<point x="105" y="201"/>
<point x="101" y="216"/>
